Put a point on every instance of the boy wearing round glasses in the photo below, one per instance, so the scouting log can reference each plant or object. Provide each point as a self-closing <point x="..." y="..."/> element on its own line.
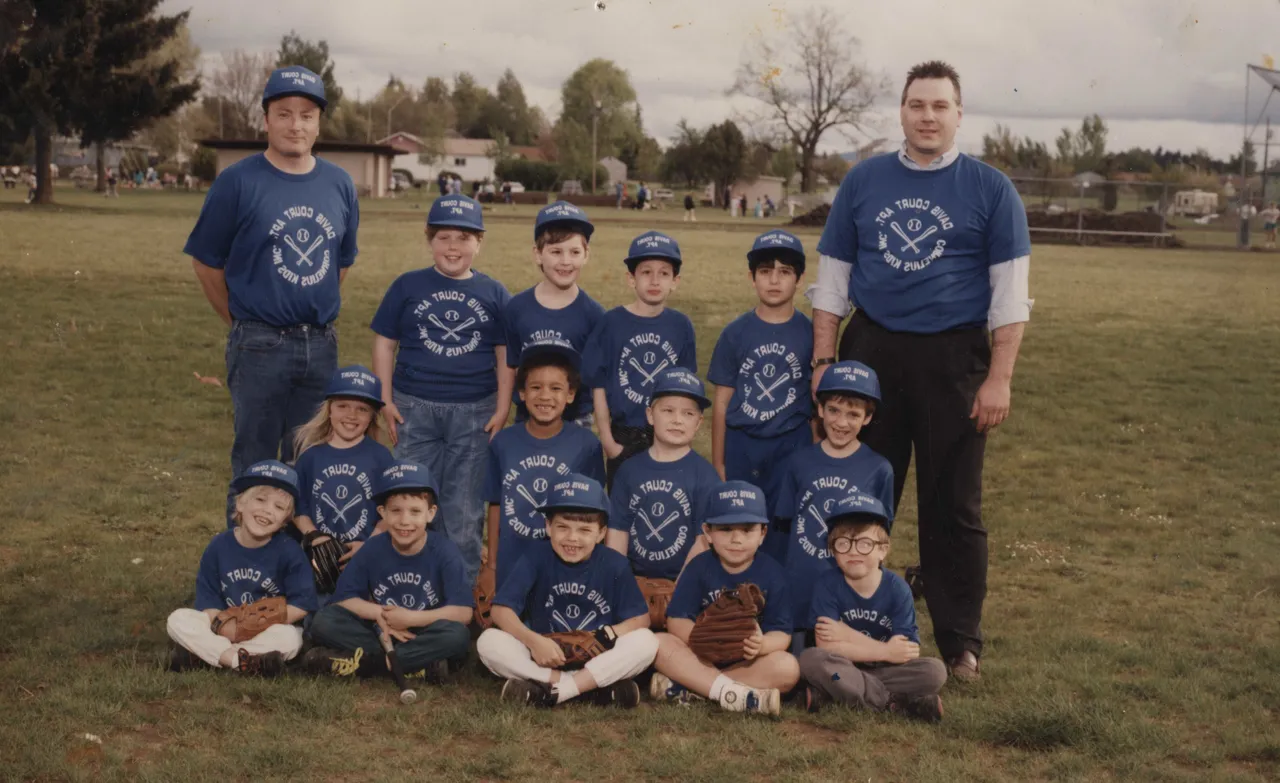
<point x="864" y="620"/>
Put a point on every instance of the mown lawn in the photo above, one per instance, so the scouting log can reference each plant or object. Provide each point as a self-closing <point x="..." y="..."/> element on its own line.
<point x="1134" y="615"/>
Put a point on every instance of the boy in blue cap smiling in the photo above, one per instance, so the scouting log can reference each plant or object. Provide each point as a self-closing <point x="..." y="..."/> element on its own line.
<point x="441" y="330"/>
<point x="407" y="584"/>
<point x="632" y="344"/>
<point x="250" y="565"/>
<point x="760" y="368"/>
<point x="565" y="584"/>
<point x="556" y="308"/>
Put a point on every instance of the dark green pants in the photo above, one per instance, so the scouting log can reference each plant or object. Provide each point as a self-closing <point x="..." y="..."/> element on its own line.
<point x="341" y="629"/>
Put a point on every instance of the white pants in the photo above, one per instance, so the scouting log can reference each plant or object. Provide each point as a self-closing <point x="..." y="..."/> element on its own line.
<point x="192" y="630"/>
<point x="507" y="657"/>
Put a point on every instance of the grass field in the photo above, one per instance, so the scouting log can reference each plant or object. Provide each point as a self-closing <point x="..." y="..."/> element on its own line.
<point x="1134" y="614"/>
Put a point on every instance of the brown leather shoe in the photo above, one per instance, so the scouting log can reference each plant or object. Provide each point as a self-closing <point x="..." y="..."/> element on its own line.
<point x="965" y="667"/>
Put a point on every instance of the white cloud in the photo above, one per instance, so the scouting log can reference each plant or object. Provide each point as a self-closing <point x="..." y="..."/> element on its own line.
<point x="1162" y="72"/>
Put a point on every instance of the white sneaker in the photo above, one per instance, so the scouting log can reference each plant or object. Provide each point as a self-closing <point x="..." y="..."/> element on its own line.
<point x="663" y="688"/>
<point x="743" y="698"/>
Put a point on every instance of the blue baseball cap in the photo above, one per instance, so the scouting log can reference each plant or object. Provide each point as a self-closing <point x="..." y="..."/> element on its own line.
<point x="269" y="473"/>
<point x="403" y="477"/>
<point x="851" y="377"/>
<point x="653" y="244"/>
<point x="456" y="212"/>
<point x="778" y="243"/>
<point x="857" y="506"/>
<point x="737" y="503"/>
<point x="556" y="346"/>
<point x="679" y="381"/>
<point x="358" y="382"/>
<point x="562" y="214"/>
<point x="576" y="491"/>
<point x="294" y="80"/>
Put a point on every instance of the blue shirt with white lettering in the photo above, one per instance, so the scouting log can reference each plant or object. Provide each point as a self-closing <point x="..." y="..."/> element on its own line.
<point x="889" y="612"/>
<point x="430" y="579"/>
<point x="922" y="242"/>
<point x="551" y="595"/>
<point x="661" y="506"/>
<point x="448" y="331"/>
<point x="767" y="365"/>
<point x="521" y="469"/>
<point x="529" y="321"/>
<point x="705" y="578"/>
<point x="233" y="575"/>
<point x="280" y="239"/>
<point x="336" y="486"/>
<point x="626" y="353"/>
<point x="813" y="482"/>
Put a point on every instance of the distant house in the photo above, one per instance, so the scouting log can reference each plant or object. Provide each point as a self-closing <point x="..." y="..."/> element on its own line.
<point x="368" y="164"/>
<point x="760" y="186"/>
<point x="68" y="154"/>
<point x="616" y="168"/>
<point x="468" y="158"/>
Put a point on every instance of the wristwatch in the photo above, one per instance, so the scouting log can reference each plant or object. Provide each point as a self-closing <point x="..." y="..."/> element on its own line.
<point x="824" y="360"/>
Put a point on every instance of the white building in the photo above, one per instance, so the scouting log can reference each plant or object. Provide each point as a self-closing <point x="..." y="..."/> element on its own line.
<point x="468" y="158"/>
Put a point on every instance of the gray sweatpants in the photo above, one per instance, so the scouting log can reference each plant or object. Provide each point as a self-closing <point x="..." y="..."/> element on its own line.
<point x="847" y="683"/>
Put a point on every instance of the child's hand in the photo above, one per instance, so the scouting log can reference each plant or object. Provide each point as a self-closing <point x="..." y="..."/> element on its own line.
<point x="901" y="649"/>
<point x="397" y="617"/>
<point x="352" y="548"/>
<point x="752" y="644"/>
<point x="612" y="448"/>
<point x="547" y="653"/>
<point x="832" y="631"/>
<point x="395" y="633"/>
<point x="496" y="423"/>
<point x="391" y="415"/>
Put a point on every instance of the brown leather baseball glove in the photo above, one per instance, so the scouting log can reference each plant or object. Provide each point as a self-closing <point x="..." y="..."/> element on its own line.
<point x="721" y="628"/>
<point x="486" y="586"/>
<point x="241" y="623"/>
<point x="657" y="594"/>
<point x="581" y="646"/>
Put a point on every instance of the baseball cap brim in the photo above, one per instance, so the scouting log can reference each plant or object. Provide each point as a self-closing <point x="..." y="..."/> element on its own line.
<point x="549" y="510"/>
<point x="566" y="224"/>
<point x="531" y="352"/>
<point x="859" y="518"/>
<point x="454" y="223"/>
<point x="317" y="100"/>
<point x="740" y="518"/>
<point x="381" y="497"/>
<point x="703" y="402"/>
<point x="244" y="483"/>
<point x="368" y="397"/>
<point x="634" y="261"/>
<point x="765" y="253"/>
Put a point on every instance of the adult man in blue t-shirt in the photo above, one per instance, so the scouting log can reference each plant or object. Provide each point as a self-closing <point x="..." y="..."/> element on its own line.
<point x="273" y="243"/>
<point x="931" y="247"/>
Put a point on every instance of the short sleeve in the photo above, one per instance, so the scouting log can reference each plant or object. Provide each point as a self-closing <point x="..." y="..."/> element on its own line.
<point x="840" y="235"/>
<point x="724" y="361"/>
<point x="904" y="611"/>
<point x="619" y="513"/>
<point x="824" y="604"/>
<point x="777" y="608"/>
<point x="594" y="358"/>
<point x="215" y="230"/>
<point x="514" y="342"/>
<point x="629" y="600"/>
<point x="493" y="475"/>
<point x="305" y="500"/>
<point x="514" y="592"/>
<point x="454" y="577"/>
<point x="686" y="599"/>
<point x="299" y="584"/>
<point x="1007" y="234"/>
<point x="594" y="467"/>
<point x="208" y="590"/>
<point x="354" y="580"/>
<point x="689" y="356"/>
<point x="386" y="321"/>
<point x="350" y="248"/>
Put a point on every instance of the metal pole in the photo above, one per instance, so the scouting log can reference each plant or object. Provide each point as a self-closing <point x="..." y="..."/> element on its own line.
<point x="1080" y="216"/>
<point x="1243" y="239"/>
<point x="595" y="120"/>
<point x="1266" y="148"/>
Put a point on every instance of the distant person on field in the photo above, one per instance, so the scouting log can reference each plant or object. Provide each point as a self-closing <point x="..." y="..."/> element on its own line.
<point x="689" y="206"/>
<point x="620" y="191"/>
<point x="1269" y="217"/>
<point x="112" y="183"/>
<point x="274" y="241"/>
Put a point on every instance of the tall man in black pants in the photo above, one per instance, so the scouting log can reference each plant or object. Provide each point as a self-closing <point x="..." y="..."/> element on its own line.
<point x="932" y="249"/>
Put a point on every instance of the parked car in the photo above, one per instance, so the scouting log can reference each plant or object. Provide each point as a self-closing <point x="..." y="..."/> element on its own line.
<point x="516" y="187"/>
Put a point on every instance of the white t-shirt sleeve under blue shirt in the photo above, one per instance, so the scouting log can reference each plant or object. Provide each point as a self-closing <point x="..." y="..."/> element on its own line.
<point x="281" y="239"/>
<point x="928" y="248"/>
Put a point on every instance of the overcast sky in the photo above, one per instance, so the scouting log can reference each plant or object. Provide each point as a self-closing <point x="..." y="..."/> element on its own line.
<point x="1161" y="72"/>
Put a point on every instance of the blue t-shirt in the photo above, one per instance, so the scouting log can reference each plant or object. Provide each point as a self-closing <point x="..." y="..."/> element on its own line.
<point x="337" y="487"/>
<point x="447" y="330"/>
<point x="768" y="367"/>
<point x="551" y="595"/>
<point x="626" y="353"/>
<point x="234" y="575"/>
<point x="922" y="242"/>
<point x="432" y="578"/>
<point x="811" y="482"/>
<point x="528" y="321"/>
<point x="280" y="239"/>
<point x="705" y="578"/>
<point x="661" y="506"/>
<point x="889" y="612"/>
<point x="521" y="469"/>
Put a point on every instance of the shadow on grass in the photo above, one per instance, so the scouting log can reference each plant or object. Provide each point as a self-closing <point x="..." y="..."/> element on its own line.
<point x="1047" y="724"/>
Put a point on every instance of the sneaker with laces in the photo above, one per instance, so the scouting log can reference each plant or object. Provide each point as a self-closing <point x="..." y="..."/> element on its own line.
<point x="743" y="698"/>
<point x="529" y="692"/>
<point x="434" y="673"/>
<point x="326" y="660"/>
<point x="623" y="693"/>
<point x="663" y="688"/>
<point x="183" y="660"/>
<point x="270" y="664"/>
<point x="923" y="708"/>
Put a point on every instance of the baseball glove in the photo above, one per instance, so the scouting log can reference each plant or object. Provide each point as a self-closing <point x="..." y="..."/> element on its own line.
<point x="324" y="558"/>
<point x="581" y="646"/>
<point x="657" y="594"/>
<point x="486" y="586"/>
<point x="721" y="628"/>
<point x="241" y="623"/>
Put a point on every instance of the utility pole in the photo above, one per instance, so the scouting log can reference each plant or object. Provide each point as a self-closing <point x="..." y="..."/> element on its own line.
<point x="595" y="156"/>
<point x="1266" y="148"/>
<point x="393" y="108"/>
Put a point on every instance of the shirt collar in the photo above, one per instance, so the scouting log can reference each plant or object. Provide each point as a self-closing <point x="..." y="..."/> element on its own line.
<point x="940" y="162"/>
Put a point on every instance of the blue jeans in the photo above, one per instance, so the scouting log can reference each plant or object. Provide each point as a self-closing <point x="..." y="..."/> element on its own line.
<point x="276" y="376"/>
<point x="449" y="438"/>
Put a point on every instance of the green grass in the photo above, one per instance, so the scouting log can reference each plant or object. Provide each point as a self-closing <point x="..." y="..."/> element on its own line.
<point x="1133" y="621"/>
